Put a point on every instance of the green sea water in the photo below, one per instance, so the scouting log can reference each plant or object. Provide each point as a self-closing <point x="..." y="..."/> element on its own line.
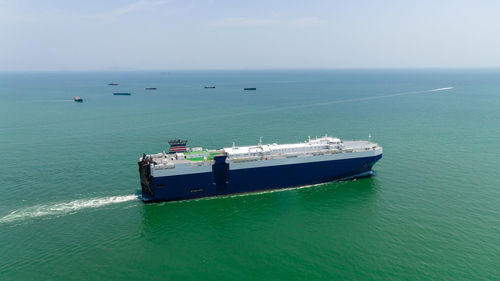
<point x="69" y="176"/>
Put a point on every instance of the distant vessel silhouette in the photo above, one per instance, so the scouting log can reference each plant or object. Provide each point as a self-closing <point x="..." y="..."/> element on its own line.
<point x="122" y="94"/>
<point x="249" y="89"/>
<point x="209" y="87"/>
<point x="113" y="84"/>
<point x="78" y="99"/>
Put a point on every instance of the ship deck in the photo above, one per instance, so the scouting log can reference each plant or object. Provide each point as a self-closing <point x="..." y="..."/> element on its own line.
<point x="263" y="152"/>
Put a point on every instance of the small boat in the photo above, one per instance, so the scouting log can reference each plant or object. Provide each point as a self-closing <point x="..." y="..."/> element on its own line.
<point x="209" y="87"/>
<point x="78" y="99"/>
<point x="122" y="94"/>
<point x="113" y="84"/>
<point x="249" y="89"/>
<point x="150" y="88"/>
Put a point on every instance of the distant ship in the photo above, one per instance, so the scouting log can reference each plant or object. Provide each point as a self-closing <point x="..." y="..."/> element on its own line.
<point x="150" y="88"/>
<point x="249" y="89"/>
<point x="113" y="84"/>
<point x="78" y="99"/>
<point x="187" y="173"/>
<point x="122" y="94"/>
<point x="209" y="87"/>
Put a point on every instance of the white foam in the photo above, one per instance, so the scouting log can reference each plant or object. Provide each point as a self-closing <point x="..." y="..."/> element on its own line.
<point x="441" y="89"/>
<point x="59" y="209"/>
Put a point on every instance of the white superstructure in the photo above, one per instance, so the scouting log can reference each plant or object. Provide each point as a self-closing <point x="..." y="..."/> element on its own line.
<point x="324" y="144"/>
<point x="242" y="157"/>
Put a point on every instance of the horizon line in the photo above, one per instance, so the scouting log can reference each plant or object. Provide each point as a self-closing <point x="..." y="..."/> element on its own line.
<point x="244" y="69"/>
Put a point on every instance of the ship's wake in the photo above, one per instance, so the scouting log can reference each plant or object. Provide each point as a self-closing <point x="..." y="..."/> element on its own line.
<point x="59" y="209"/>
<point x="360" y="99"/>
<point x="364" y="98"/>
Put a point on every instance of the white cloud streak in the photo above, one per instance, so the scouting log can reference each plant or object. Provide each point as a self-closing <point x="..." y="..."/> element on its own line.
<point x="141" y="5"/>
<point x="244" y="21"/>
<point x="307" y="21"/>
<point x="11" y="13"/>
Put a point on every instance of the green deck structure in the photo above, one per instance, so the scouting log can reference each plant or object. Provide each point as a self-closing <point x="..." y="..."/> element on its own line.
<point x="209" y="158"/>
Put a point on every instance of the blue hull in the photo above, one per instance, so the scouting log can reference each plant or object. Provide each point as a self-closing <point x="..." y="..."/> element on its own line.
<point x="223" y="181"/>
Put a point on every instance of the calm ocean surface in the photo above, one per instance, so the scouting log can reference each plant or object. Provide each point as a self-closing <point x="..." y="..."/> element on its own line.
<point x="69" y="177"/>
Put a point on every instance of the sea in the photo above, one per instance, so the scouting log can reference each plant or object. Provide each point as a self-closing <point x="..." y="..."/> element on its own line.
<point x="69" y="181"/>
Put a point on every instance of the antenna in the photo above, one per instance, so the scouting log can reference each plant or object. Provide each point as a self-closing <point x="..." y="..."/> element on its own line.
<point x="369" y="137"/>
<point x="233" y="144"/>
<point x="260" y="141"/>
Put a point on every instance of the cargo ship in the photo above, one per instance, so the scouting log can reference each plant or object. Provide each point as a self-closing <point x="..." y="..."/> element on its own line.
<point x="78" y="99"/>
<point x="187" y="173"/>
<point x="249" y="89"/>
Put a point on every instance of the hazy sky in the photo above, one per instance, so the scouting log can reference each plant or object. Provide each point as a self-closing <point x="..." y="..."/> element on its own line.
<point x="212" y="34"/>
